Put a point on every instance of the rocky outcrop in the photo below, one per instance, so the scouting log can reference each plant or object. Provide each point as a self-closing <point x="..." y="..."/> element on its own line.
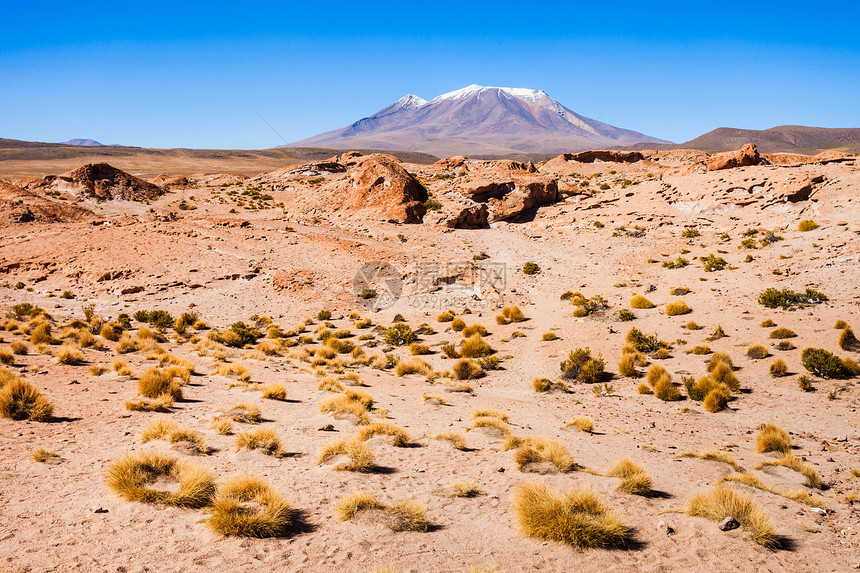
<point x="171" y="181"/>
<point x="508" y="198"/>
<point x="744" y="157"/>
<point x="379" y="184"/>
<point x="19" y="205"/>
<point x="104" y="182"/>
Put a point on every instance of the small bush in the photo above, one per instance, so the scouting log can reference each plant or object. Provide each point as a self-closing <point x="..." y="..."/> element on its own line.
<point x="634" y="480"/>
<point x="782" y="332"/>
<point x="722" y="502"/>
<point x="156" y="382"/>
<point x="678" y="307"/>
<point x="786" y="298"/>
<point x="475" y="347"/>
<point x="580" y="365"/>
<point x="400" y="334"/>
<point x="132" y="475"/>
<point x="626" y="315"/>
<point x="474" y="329"/>
<point x="641" y="302"/>
<point x="778" y="368"/>
<point x="531" y="268"/>
<point x="358" y="454"/>
<point x="772" y="439"/>
<point x="20" y="400"/>
<point x="577" y="517"/>
<point x="262" y="439"/>
<point x="413" y="366"/>
<point x="646" y="343"/>
<point x="541" y="450"/>
<point x="446" y="316"/>
<point x="805" y="384"/>
<point x="847" y="340"/>
<point x="324" y="315"/>
<point x="823" y="363"/>
<point x="757" y="352"/>
<point x="467" y="370"/>
<point x="274" y="392"/>
<point x="807" y="225"/>
<point x="399" y="437"/>
<point x="69" y="354"/>
<point x="713" y="263"/>
<point x="230" y="515"/>
<point x="582" y="424"/>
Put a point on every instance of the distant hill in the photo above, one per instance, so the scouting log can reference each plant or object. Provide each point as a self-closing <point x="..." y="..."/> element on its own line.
<point x="479" y="121"/>
<point x="83" y="142"/>
<point x="785" y="138"/>
<point x="30" y="158"/>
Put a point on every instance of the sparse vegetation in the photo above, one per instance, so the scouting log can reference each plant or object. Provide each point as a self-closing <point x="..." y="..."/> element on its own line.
<point x="722" y="502"/>
<point x="641" y="302"/>
<point x="580" y="365"/>
<point x="772" y="438"/>
<point x="131" y="476"/>
<point x="634" y="480"/>
<point x="247" y="506"/>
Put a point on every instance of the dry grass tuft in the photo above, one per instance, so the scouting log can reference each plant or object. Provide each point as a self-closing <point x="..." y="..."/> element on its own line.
<point x="44" y="456"/>
<point x="247" y="506"/>
<point x="400" y="516"/>
<point x="20" y="400"/>
<point x="778" y="368"/>
<point x="722" y="502"/>
<point x="159" y="428"/>
<point x="455" y="439"/>
<point x="540" y="450"/>
<point x="274" y="392"/>
<point x="634" y="480"/>
<point x="260" y="439"/>
<point x="677" y="308"/>
<point x="475" y="347"/>
<point x="465" y="488"/>
<point x="847" y="340"/>
<point x="757" y="352"/>
<point x="541" y="385"/>
<point x="640" y="301"/>
<point x="414" y="365"/>
<point x="791" y="462"/>
<point x="156" y="382"/>
<point x="244" y="413"/>
<point x="131" y="475"/>
<point x="399" y="436"/>
<point x="360" y="455"/>
<point x="69" y="354"/>
<point x="772" y="439"/>
<point x="582" y="424"/>
<point x="465" y="369"/>
<point x="577" y="517"/>
<point x="715" y="457"/>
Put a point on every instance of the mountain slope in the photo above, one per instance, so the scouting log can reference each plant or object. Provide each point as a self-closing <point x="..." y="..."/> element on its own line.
<point x="784" y="138"/>
<point x="83" y="142"/>
<point x="479" y="120"/>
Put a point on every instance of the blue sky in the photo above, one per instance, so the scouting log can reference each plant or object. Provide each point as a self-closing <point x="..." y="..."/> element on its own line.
<point x="171" y="74"/>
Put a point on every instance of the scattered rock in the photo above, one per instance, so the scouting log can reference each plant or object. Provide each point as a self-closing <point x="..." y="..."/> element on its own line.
<point x="728" y="524"/>
<point x="743" y="157"/>
<point x="99" y="509"/>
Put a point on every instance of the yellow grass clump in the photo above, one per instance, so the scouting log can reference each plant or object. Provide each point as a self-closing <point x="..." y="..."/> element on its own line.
<point x="414" y="365"/>
<point x="43" y="456"/>
<point x="465" y="488"/>
<point x="419" y="349"/>
<point x="400" y="516"/>
<point x="475" y="347"/>
<point x="788" y="460"/>
<point x="399" y="436"/>
<point x="126" y="344"/>
<point x="156" y="382"/>
<point x="7" y="357"/>
<point x="677" y="308"/>
<point x="19" y="347"/>
<point x="455" y="439"/>
<point x="772" y="438"/>
<point x="131" y="476"/>
<point x="778" y="368"/>
<point x="359" y="455"/>
<point x="466" y="370"/>
<point x="274" y="392"/>
<point x="576" y="517"/>
<point x="159" y="428"/>
<point x="243" y="412"/>
<point x="20" y="400"/>
<point x="634" y="480"/>
<point x="247" y="506"/>
<point x="260" y="439"/>
<point x="722" y="502"/>
<point x="581" y="423"/>
<point x="69" y="354"/>
<point x="757" y="352"/>
<point x="715" y="457"/>
<point x="541" y="450"/>
<point x="640" y="301"/>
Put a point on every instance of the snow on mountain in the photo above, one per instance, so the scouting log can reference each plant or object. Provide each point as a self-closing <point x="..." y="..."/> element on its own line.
<point x="478" y="120"/>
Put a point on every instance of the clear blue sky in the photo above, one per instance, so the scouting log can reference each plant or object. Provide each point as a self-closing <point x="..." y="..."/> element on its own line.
<point x="167" y="74"/>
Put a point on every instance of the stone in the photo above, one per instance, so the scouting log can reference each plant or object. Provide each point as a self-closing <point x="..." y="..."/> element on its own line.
<point x="744" y="157"/>
<point x="728" y="524"/>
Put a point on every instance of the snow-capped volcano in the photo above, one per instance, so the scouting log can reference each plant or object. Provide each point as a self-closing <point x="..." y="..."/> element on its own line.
<point x="478" y="120"/>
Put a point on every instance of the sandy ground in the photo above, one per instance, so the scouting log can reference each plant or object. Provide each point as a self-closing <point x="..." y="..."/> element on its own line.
<point x="207" y="261"/>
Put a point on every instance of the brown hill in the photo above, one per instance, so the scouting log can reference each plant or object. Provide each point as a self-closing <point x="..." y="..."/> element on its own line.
<point x="102" y="181"/>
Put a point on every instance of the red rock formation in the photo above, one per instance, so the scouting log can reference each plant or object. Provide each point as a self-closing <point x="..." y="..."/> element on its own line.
<point x="21" y="206"/>
<point x="103" y="181"/>
<point x="378" y="184"/>
<point x="743" y="157"/>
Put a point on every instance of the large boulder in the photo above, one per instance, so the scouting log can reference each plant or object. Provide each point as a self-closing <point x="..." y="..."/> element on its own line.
<point x="744" y="157"/>
<point x="508" y="198"/>
<point x="103" y="182"/>
<point x="19" y="205"/>
<point x="378" y="185"/>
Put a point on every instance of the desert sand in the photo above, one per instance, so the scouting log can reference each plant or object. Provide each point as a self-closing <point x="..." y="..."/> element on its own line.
<point x="287" y="244"/>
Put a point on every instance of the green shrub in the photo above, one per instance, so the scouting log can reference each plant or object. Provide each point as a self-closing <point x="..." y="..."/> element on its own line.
<point x="241" y="335"/>
<point x="786" y="298"/>
<point x="691" y="232"/>
<point x="531" y="268"/>
<point x="823" y="364"/>
<point x="807" y="225"/>
<point x="580" y="365"/>
<point x="713" y="263"/>
<point x="646" y="343"/>
<point x="626" y="316"/>
<point x="400" y="334"/>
